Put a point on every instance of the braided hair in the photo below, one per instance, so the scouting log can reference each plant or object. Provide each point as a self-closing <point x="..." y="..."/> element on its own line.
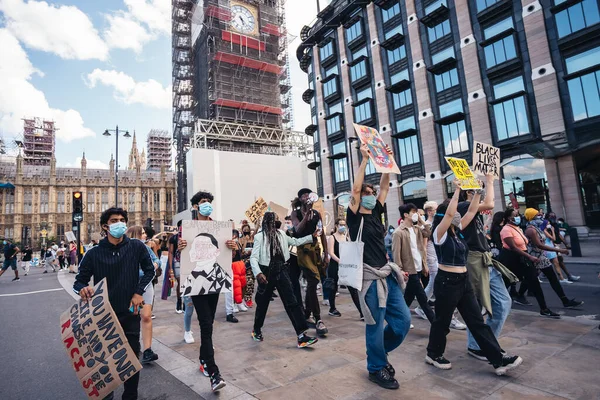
<point x="270" y="233"/>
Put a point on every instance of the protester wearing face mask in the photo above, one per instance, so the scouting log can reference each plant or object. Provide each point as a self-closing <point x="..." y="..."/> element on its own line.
<point x="537" y="249"/>
<point x="453" y="289"/>
<point x="247" y="242"/>
<point x="558" y="240"/>
<point x="388" y="242"/>
<point x="118" y="259"/>
<point x="381" y="296"/>
<point x="294" y="268"/>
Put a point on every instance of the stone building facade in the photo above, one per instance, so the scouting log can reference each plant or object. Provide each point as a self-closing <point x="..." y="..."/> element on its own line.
<point x="42" y="198"/>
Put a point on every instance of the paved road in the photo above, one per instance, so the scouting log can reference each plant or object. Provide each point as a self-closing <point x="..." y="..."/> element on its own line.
<point x="587" y="289"/>
<point x="34" y="361"/>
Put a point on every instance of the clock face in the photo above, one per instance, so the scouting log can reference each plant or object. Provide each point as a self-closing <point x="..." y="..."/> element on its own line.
<point x="242" y="19"/>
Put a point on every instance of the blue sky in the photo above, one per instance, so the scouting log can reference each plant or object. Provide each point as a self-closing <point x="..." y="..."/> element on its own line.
<point x="91" y="65"/>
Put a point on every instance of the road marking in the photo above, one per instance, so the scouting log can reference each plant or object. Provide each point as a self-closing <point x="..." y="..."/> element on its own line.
<point x="37" y="291"/>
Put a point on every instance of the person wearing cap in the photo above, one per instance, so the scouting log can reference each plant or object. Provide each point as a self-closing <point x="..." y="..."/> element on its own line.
<point x="537" y="248"/>
<point x="311" y="259"/>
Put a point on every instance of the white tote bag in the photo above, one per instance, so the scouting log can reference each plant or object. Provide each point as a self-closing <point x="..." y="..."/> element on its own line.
<point x="350" y="271"/>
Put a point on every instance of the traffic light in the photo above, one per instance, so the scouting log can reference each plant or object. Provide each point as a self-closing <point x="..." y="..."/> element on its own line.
<point x="77" y="206"/>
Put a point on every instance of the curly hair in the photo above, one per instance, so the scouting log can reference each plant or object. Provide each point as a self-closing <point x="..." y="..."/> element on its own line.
<point x="270" y="233"/>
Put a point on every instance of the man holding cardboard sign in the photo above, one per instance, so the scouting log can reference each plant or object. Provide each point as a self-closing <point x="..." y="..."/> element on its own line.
<point x="118" y="260"/>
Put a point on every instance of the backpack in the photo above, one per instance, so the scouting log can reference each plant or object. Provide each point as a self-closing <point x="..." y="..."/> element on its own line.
<point x="49" y="253"/>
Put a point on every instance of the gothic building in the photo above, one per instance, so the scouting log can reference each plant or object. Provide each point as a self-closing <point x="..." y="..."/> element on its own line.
<point x="135" y="157"/>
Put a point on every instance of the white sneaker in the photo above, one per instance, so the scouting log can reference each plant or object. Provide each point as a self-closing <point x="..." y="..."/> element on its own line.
<point x="188" y="337"/>
<point x="235" y="308"/>
<point x="456" y="324"/>
<point x="325" y="302"/>
<point x="565" y="281"/>
<point x="419" y="311"/>
<point x="242" y="307"/>
<point x="412" y="326"/>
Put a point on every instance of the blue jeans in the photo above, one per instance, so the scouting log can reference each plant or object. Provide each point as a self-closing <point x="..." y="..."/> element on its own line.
<point x="501" y="304"/>
<point x="382" y="339"/>
<point x="189" y="312"/>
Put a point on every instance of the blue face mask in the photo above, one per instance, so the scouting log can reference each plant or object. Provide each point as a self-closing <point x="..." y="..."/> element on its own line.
<point x="117" y="230"/>
<point x="368" y="202"/>
<point x="205" y="209"/>
<point x="517" y="220"/>
<point x="5" y="242"/>
<point x="342" y="229"/>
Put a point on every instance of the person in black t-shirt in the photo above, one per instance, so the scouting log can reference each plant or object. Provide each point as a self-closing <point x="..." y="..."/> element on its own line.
<point x="26" y="259"/>
<point x="377" y="304"/>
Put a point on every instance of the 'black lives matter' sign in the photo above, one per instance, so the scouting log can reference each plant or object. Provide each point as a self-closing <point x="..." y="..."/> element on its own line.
<point x="96" y="344"/>
<point x="486" y="159"/>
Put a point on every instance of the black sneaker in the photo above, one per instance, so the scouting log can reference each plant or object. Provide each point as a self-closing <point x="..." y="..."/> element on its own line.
<point x="335" y="313"/>
<point x="257" y="336"/>
<point x="384" y="379"/>
<point x="550" y="314"/>
<point x="431" y="303"/>
<point x="508" y="363"/>
<point x="438" y="362"/>
<point x="149" y="356"/>
<point x="232" y="318"/>
<point x="45" y="272"/>
<point x="568" y="304"/>
<point x="179" y="306"/>
<point x="217" y="382"/>
<point x="305" y="341"/>
<point x="17" y="279"/>
<point x="478" y="354"/>
<point x="390" y="370"/>
<point x="321" y="328"/>
<point x="522" y="300"/>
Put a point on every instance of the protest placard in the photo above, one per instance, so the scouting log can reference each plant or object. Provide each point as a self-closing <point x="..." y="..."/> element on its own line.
<point x="383" y="161"/>
<point x="70" y="236"/>
<point x="486" y="159"/>
<point x="463" y="173"/>
<point x="96" y="345"/>
<point x="256" y="211"/>
<point x="281" y="211"/>
<point x="206" y="260"/>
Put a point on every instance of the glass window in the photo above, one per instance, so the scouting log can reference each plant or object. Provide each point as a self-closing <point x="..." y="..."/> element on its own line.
<point x="330" y="87"/>
<point x="497" y="28"/>
<point x="402" y="99"/>
<point x="510" y="115"/>
<point x="91" y="202"/>
<point x="27" y="201"/>
<point x="104" y="201"/>
<point x="358" y="71"/>
<point x="396" y="55"/>
<point x="9" y="207"/>
<point x="435" y="6"/>
<point x="391" y="12"/>
<point x="392" y="32"/>
<point x="337" y="107"/>
<point x="60" y="202"/>
<point x="363" y="94"/>
<point x="333" y="125"/>
<point x="360" y="52"/>
<point x="340" y="167"/>
<point x="452" y="107"/>
<point x="500" y="51"/>
<point x="584" y="92"/>
<point x="400" y="76"/>
<point x="156" y="201"/>
<point x="439" y="31"/>
<point x="414" y="190"/>
<point x="326" y="50"/>
<point x="131" y="202"/>
<point x="354" y="31"/>
<point x="583" y="60"/>
<point x="405" y="124"/>
<point x="333" y="70"/>
<point x="370" y="168"/>
<point x="363" y="112"/>
<point x="455" y="138"/>
<point x="44" y="201"/>
<point x="409" y="150"/>
<point x="483" y="4"/>
<point x="508" y="87"/>
<point x="577" y="17"/>
<point x="442" y="55"/>
<point x="446" y="80"/>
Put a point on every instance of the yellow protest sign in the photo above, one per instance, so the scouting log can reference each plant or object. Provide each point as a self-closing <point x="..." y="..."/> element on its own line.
<point x="463" y="173"/>
<point x="257" y="210"/>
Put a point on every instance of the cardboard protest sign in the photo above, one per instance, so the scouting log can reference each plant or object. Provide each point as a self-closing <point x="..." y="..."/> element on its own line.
<point x="96" y="344"/>
<point x="383" y="161"/>
<point x="281" y="211"/>
<point x="206" y="261"/>
<point x="70" y="236"/>
<point x="463" y="173"/>
<point x="486" y="159"/>
<point x="257" y="210"/>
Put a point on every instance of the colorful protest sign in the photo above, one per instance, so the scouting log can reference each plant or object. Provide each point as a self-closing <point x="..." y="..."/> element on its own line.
<point x="463" y="173"/>
<point x="70" y="236"/>
<point x="281" y="211"/>
<point x="96" y="344"/>
<point x="486" y="159"/>
<point x="206" y="260"/>
<point x="257" y="210"/>
<point x="383" y="161"/>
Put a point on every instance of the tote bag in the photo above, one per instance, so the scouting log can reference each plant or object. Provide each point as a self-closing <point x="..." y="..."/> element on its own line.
<point x="350" y="271"/>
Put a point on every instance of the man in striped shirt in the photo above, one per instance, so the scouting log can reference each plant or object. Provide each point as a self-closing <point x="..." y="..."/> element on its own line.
<point x="119" y="259"/>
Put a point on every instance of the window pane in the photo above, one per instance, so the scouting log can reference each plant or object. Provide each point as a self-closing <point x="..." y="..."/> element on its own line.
<point x="360" y="52"/>
<point x="562" y="23"/>
<point x="394" y="10"/>
<point x="405" y="124"/>
<point x="583" y="60"/>
<point x="400" y="76"/>
<point x="511" y="118"/>
<point x="455" y="138"/>
<point x="590" y="93"/>
<point x="500" y="121"/>
<point x="396" y="55"/>
<point x="577" y="101"/>
<point x="363" y="94"/>
<point x="439" y="31"/>
<point x="497" y="28"/>
<point x="402" y="99"/>
<point x="500" y="51"/>
<point x="446" y="80"/>
<point x="337" y="107"/>
<point x="590" y="10"/>
<point x="442" y="55"/>
<point x="389" y="34"/>
<point x="434" y="6"/>
<point x="354" y="31"/>
<point x="508" y="87"/>
<point x="451" y="107"/>
<point x="521" y="111"/>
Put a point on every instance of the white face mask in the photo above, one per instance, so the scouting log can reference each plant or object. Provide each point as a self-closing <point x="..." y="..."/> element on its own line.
<point x="415" y="218"/>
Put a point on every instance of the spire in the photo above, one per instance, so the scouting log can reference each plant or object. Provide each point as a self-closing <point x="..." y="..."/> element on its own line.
<point x="134" y="141"/>
<point x="83" y="161"/>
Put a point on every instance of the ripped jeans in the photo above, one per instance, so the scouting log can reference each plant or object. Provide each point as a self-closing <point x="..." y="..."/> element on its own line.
<point x="189" y="312"/>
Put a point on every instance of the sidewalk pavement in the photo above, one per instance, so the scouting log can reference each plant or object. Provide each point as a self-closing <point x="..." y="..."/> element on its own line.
<point x="590" y="250"/>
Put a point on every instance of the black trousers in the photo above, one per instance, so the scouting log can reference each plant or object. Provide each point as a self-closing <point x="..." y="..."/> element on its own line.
<point x="206" y="307"/>
<point x="453" y="290"/>
<point x="355" y="299"/>
<point x="294" y="270"/>
<point x="280" y="281"/>
<point x="311" y="302"/>
<point x="526" y="272"/>
<point x="550" y="274"/>
<point x="131" y="326"/>
<point x="332" y="273"/>
<point x="414" y="288"/>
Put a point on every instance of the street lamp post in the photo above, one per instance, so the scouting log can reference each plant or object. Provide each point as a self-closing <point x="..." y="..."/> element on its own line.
<point x="127" y="135"/>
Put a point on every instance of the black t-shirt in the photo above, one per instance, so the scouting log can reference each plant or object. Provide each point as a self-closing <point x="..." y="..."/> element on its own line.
<point x="27" y="255"/>
<point x="174" y="240"/>
<point x="474" y="233"/>
<point x="372" y="236"/>
<point x="9" y="251"/>
<point x="310" y="227"/>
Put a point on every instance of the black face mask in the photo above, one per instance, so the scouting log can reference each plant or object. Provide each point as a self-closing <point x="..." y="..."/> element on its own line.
<point x="246" y="233"/>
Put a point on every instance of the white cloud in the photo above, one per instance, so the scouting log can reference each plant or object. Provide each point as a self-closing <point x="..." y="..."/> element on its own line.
<point x="154" y="13"/>
<point x="19" y="98"/>
<point x="150" y="93"/>
<point x="125" y="33"/>
<point x="91" y="164"/>
<point x="63" y="30"/>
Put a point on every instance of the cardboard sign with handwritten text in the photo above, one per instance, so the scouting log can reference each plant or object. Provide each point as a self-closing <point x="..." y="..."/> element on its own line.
<point x="96" y="344"/>
<point x="463" y="173"/>
<point x="486" y="159"/>
<point x="257" y="210"/>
